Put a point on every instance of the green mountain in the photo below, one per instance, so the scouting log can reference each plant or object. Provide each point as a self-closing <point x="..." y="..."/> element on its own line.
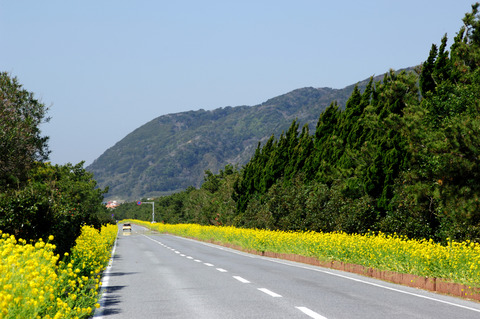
<point x="172" y="152"/>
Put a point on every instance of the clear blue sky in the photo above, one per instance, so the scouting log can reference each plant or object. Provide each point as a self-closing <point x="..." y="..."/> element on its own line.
<point x="107" y="67"/>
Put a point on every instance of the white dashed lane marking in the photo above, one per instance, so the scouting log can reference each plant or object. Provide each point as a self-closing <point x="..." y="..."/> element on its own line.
<point x="310" y="313"/>
<point x="245" y="281"/>
<point x="305" y="310"/>
<point x="269" y="292"/>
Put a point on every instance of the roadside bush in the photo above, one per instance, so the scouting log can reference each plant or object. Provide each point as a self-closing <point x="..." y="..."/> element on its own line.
<point x="56" y="201"/>
<point x="35" y="284"/>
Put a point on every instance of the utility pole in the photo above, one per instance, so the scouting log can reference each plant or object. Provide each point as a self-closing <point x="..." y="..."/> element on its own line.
<point x="153" y="209"/>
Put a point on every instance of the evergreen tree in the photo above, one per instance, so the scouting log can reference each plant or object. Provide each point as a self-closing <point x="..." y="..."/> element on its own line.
<point x="427" y="84"/>
<point x="21" y="142"/>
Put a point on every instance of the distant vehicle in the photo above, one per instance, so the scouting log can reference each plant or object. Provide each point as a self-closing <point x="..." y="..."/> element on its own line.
<point x="127" y="227"/>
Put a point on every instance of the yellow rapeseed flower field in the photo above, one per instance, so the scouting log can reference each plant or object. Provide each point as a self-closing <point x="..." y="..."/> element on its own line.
<point x="457" y="262"/>
<point x="35" y="284"/>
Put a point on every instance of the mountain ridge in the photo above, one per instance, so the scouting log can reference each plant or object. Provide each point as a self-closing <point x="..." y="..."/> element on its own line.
<point x="172" y="151"/>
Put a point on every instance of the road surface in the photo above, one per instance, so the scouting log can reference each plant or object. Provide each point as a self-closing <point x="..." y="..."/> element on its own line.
<point x="154" y="275"/>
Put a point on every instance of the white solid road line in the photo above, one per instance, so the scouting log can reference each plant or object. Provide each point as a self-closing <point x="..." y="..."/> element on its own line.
<point x="305" y="310"/>
<point x="245" y="281"/>
<point x="325" y="271"/>
<point x="104" y="280"/>
<point x="310" y="313"/>
<point x="269" y="292"/>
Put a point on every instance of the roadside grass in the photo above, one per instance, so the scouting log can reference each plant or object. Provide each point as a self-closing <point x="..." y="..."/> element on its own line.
<point x="35" y="283"/>
<point x="457" y="262"/>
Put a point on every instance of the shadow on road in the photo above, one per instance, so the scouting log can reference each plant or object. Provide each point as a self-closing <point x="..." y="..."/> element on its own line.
<point x="119" y="273"/>
<point x="110" y="300"/>
<point x="110" y="297"/>
<point x="117" y="257"/>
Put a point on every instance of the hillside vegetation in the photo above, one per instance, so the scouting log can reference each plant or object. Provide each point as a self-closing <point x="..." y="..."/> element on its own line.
<point x="171" y="152"/>
<point x="402" y="156"/>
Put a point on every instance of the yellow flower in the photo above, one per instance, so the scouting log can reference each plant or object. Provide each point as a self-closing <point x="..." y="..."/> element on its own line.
<point x="32" y="277"/>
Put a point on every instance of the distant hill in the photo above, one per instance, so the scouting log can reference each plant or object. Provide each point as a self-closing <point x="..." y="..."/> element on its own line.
<point x="171" y="152"/>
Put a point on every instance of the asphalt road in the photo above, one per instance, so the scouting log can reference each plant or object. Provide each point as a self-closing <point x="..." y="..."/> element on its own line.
<point x="162" y="276"/>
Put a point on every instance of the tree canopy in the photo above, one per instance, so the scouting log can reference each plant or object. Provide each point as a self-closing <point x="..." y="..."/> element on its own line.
<point x="38" y="199"/>
<point x="402" y="157"/>
<point x="21" y="142"/>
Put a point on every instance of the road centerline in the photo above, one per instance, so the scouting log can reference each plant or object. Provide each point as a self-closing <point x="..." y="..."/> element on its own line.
<point x="332" y="273"/>
<point x="243" y="280"/>
<point x="310" y="313"/>
<point x="269" y="292"/>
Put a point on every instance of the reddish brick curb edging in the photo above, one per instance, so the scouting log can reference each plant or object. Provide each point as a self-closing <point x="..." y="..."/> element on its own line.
<point x="431" y="284"/>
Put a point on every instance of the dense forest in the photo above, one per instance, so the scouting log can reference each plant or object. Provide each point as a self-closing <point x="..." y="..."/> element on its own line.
<point x="38" y="199"/>
<point x="172" y="151"/>
<point x="402" y="156"/>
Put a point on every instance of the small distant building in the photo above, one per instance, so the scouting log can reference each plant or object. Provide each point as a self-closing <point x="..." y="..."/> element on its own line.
<point x="112" y="204"/>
